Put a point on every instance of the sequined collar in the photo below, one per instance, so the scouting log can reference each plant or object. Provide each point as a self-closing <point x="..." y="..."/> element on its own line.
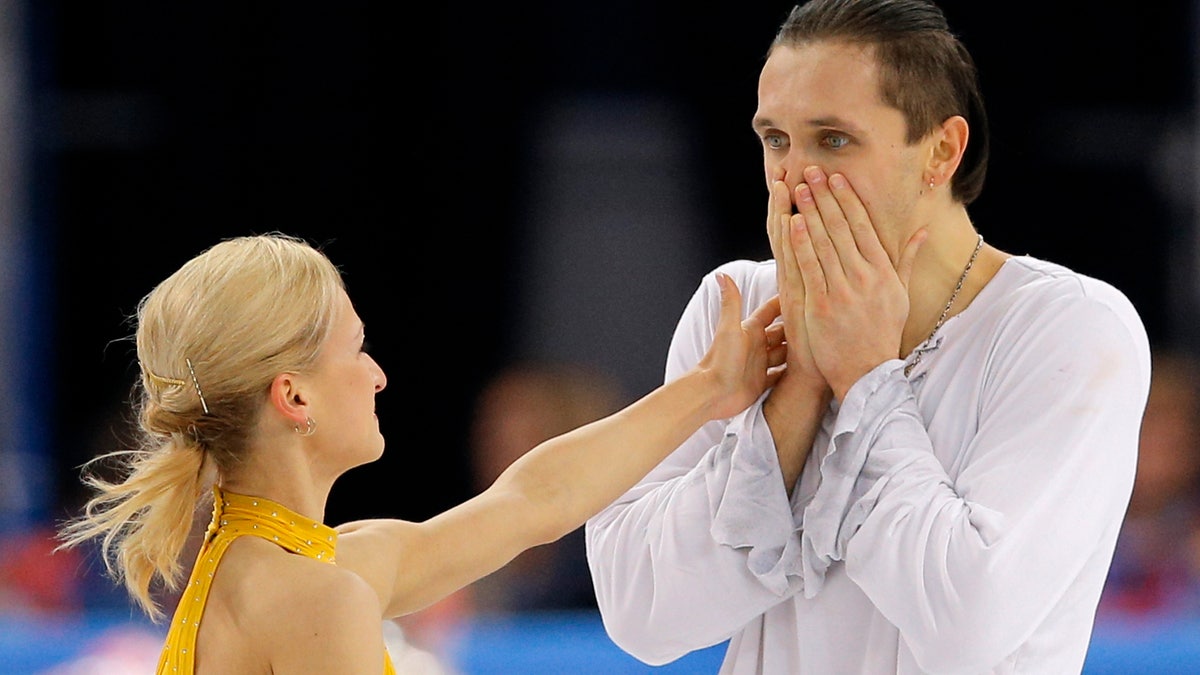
<point x="235" y="514"/>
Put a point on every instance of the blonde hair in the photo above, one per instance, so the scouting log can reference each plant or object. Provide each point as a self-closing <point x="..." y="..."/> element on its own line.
<point x="210" y="339"/>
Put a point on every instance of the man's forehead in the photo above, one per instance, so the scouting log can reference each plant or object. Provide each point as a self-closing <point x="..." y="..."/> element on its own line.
<point x="823" y="83"/>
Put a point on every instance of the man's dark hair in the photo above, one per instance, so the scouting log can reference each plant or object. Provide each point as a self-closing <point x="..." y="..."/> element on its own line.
<point x="925" y="71"/>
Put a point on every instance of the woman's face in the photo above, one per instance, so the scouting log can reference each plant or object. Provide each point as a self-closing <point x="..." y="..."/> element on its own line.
<point x="343" y="384"/>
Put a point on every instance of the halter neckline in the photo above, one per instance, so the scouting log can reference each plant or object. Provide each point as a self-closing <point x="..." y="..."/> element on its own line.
<point x="235" y="514"/>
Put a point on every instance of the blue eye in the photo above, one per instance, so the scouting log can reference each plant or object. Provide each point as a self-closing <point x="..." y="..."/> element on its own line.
<point x="835" y="141"/>
<point x="773" y="141"/>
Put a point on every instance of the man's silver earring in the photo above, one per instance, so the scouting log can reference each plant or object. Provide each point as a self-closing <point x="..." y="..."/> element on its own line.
<point x="309" y="429"/>
<point x="930" y="183"/>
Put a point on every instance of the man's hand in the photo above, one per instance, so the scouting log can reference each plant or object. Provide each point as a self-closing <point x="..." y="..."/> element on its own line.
<point x="802" y="369"/>
<point x="855" y="300"/>
<point x="794" y="408"/>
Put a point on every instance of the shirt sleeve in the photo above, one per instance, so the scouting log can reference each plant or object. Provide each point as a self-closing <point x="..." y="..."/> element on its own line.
<point x="968" y="566"/>
<point x="707" y="541"/>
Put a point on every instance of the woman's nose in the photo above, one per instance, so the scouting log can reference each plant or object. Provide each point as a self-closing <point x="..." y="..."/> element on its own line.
<point x="380" y="378"/>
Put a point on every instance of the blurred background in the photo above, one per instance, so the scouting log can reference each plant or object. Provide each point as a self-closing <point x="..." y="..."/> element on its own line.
<point x="521" y="187"/>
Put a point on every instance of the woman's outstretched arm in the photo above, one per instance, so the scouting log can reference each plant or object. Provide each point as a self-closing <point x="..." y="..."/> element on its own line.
<point x="556" y="486"/>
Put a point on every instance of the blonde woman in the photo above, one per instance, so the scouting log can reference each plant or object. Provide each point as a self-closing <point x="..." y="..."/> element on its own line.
<point x="256" y="389"/>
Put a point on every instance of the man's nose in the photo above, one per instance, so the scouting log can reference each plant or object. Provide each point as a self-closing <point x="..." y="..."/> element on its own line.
<point x="791" y="168"/>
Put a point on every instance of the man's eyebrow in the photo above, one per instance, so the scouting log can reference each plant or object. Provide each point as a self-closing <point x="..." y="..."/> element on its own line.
<point x="817" y="122"/>
<point x="761" y="123"/>
<point x="836" y="122"/>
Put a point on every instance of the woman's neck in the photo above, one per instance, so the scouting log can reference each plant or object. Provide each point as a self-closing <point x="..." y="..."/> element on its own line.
<point x="280" y="475"/>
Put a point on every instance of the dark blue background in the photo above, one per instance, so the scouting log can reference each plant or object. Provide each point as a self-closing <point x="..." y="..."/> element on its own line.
<point x="398" y="135"/>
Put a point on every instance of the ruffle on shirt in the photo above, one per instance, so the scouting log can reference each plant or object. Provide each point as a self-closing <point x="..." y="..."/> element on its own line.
<point x="841" y="503"/>
<point x="750" y="508"/>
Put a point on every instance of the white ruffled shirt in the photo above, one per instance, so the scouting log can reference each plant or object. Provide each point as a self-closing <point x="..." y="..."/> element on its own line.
<point x="961" y="520"/>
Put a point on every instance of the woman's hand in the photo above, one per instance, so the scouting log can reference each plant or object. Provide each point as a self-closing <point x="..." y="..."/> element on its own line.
<point x="746" y="357"/>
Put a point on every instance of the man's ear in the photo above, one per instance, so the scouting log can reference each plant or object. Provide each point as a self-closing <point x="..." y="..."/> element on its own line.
<point x="949" y="145"/>
<point x="288" y="397"/>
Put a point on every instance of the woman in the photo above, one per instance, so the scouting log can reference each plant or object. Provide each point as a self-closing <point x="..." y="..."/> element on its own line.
<point x="256" y="388"/>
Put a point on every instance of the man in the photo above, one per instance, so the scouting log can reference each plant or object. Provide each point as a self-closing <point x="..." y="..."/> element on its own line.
<point x="937" y="482"/>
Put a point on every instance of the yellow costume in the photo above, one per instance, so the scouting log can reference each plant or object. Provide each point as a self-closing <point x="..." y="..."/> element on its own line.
<point x="236" y="515"/>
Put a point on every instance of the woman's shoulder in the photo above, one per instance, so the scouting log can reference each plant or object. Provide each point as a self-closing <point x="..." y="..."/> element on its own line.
<point x="260" y="584"/>
<point x="272" y="580"/>
<point x="334" y="623"/>
<point x="277" y="602"/>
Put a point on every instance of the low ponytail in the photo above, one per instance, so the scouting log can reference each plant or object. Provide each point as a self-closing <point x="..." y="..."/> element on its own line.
<point x="143" y="520"/>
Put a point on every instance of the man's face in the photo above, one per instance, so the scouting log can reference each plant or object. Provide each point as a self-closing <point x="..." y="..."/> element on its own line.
<point x="819" y="105"/>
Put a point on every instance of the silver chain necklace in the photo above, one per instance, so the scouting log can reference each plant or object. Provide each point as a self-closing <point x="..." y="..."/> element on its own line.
<point x="942" y="319"/>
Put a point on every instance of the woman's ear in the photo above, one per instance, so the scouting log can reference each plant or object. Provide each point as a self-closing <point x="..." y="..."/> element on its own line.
<point x="949" y="145"/>
<point x="288" y="398"/>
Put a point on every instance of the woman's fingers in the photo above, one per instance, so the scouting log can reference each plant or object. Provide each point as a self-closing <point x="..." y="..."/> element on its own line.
<point x="759" y="325"/>
<point x="776" y="335"/>
<point x="742" y="355"/>
<point x="760" y="320"/>
<point x="731" y="303"/>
